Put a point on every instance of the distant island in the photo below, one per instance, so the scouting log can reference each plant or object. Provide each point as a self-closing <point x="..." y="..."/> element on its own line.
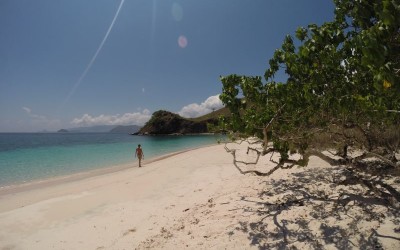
<point x="129" y="129"/>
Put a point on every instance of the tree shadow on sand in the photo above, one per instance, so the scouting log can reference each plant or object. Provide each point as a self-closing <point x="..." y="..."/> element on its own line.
<point x="317" y="208"/>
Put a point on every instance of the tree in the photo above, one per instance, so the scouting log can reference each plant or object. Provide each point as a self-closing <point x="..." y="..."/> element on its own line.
<point x="342" y="90"/>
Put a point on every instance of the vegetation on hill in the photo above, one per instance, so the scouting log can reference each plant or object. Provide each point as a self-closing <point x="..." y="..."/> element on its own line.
<point x="215" y="115"/>
<point x="342" y="92"/>
<point x="164" y="122"/>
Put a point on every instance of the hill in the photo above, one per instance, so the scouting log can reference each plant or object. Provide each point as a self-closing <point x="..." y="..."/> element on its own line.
<point x="130" y="129"/>
<point x="164" y="123"/>
<point x="213" y="115"/>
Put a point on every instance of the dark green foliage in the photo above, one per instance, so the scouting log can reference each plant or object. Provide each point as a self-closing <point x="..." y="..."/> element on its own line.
<point x="164" y="122"/>
<point x="343" y="76"/>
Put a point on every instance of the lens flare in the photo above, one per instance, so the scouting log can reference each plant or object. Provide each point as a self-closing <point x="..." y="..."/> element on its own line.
<point x="182" y="41"/>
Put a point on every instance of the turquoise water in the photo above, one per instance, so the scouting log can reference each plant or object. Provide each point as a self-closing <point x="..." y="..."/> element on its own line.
<point x="27" y="157"/>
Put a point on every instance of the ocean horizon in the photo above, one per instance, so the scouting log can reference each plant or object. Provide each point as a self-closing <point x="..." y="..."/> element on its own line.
<point x="29" y="157"/>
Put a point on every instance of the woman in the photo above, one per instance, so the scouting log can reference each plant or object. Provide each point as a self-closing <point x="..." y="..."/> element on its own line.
<point x="139" y="154"/>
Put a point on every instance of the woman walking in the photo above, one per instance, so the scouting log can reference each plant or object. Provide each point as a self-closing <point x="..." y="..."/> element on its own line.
<point x="139" y="154"/>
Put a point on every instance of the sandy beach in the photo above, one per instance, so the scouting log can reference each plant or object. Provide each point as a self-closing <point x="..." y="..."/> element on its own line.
<point x="199" y="200"/>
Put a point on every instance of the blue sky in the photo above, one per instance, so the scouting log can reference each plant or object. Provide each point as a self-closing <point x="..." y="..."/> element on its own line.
<point x="159" y="54"/>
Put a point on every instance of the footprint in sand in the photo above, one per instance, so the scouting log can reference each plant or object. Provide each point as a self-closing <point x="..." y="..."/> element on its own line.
<point x="195" y="221"/>
<point x="132" y="230"/>
<point x="211" y="202"/>
<point x="170" y="207"/>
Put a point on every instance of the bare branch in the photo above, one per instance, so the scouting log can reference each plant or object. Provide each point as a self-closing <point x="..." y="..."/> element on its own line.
<point x="370" y="154"/>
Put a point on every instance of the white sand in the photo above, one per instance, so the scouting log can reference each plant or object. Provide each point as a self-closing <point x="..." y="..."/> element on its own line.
<point x="198" y="200"/>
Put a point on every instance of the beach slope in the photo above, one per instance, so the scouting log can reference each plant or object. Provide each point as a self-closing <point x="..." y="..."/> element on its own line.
<point x="198" y="200"/>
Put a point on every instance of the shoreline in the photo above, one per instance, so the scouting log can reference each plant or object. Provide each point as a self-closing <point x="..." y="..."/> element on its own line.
<point x="51" y="157"/>
<point x="117" y="210"/>
<point x="197" y="199"/>
<point x="57" y="180"/>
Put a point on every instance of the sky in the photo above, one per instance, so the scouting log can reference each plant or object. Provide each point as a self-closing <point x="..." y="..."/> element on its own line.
<point x="73" y="63"/>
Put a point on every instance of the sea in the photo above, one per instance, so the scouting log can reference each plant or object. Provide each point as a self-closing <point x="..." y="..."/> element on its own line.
<point x="29" y="157"/>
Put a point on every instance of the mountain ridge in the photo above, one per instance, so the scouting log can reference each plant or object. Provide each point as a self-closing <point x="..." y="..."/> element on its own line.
<point x="129" y="129"/>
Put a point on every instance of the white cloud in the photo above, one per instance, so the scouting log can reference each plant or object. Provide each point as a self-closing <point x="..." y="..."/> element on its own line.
<point x="195" y="110"/>
<point x="137" y="118"/>
<point x="35" y="116"/>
